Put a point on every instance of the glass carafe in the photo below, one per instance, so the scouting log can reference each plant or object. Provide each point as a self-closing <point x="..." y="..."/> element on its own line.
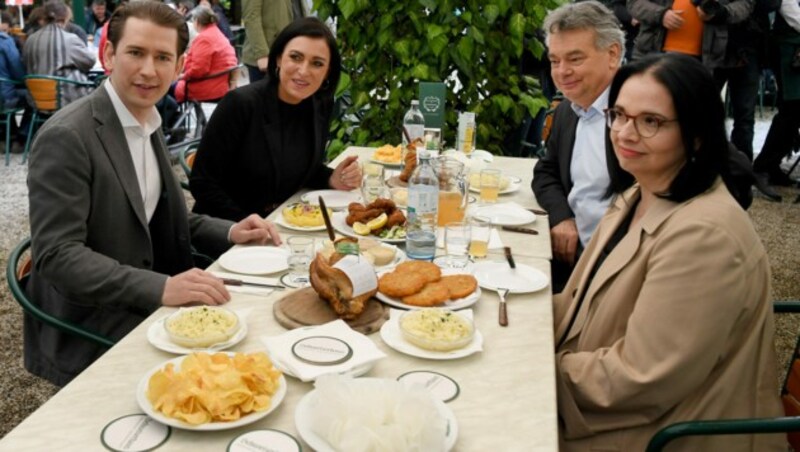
<point x="453" y="190"/>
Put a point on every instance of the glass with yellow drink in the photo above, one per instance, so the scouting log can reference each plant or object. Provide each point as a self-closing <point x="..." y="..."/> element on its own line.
<point x="453" y="193"/>
<point x="480" y="234"/>
<point x="490" y="185"/>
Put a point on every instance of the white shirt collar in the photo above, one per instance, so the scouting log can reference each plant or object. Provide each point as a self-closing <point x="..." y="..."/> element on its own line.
<point x="152" y="123"/>
<point x="596" y="108"/>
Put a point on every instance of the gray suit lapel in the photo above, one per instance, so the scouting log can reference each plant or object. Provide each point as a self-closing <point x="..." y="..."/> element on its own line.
<point x="112" y="138"/>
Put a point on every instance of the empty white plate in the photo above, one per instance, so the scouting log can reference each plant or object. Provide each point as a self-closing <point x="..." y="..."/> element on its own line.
<point x="523" y="279"/>
<point x="255" y="260"/>
<point x="334" y="199"/>
<point x="505" y="214"/>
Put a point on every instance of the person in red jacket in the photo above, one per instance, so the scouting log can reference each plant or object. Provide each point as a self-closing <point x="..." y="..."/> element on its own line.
<point x="210" y="53"/>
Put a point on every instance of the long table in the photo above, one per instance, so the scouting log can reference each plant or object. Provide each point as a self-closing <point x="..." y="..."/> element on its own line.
<point x="507" y="400"/>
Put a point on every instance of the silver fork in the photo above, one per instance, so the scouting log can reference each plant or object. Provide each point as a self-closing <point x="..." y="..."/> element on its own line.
<point x="503" y="313"/>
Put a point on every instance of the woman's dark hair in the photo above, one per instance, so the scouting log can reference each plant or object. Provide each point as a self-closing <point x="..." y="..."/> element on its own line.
<point x="157" y="12"/>
<point x="701" y="118"/>
<point x="313" y="28"/>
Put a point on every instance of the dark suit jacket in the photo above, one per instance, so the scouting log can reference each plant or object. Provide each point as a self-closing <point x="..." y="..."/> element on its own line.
<point x="97" y="261"/>
<point x="236" y="171"/>
<point x="551" y="175"/>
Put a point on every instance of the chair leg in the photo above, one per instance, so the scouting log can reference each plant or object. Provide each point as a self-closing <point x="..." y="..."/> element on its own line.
<point x="31" y="126"/>
<point x="8" y="135"/>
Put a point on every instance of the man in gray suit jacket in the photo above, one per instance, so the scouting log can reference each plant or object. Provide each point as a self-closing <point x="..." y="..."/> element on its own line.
<point x="111" y="236"/>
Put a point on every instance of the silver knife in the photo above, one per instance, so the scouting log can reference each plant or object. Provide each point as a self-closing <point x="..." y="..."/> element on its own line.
<point x="239" y="282"/>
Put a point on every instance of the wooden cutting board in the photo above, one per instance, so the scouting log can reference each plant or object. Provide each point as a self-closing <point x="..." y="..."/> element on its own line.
<point x="304" y="307"/>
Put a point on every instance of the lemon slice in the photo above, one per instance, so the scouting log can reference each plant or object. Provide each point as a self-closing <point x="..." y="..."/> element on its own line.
<point x="378" y="223"/>
<point x="361" y="228"/>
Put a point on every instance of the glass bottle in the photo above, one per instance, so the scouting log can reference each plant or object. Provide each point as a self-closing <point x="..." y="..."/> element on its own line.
<point x="423" y="206"/>
<point x="413" y="122"/>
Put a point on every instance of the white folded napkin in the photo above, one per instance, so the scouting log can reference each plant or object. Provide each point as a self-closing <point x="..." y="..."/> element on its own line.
<point x="494" y="239"/>
<point x="280" y="349"/>
<point x="247" y="278"/>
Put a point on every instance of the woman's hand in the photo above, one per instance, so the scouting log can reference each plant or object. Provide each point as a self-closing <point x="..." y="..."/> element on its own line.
<point x="255" y="230"/>
<point x="347" y="174"/>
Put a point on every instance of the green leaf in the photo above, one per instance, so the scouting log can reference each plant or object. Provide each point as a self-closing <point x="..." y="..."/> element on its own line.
<point x="503" y="102"/>
<point x="476" y="35"/>
<point x="348" y="7"/>
<point x="466" y="16"/>
<point x="421" y="71"/>
<point x="466" y="47"/>
<point x="533" y="104"/>
<point x="402" y="49"/>
<point x="430" y="4"/>
<point x="516" y="26"/>
<point x="344" y="84"/>
<point x="384" y="36"/>
<point x="360" y="99"/>
<point x="438" y="44"/>
<point x="434" y="31"/>
<point x="490" y="12"/>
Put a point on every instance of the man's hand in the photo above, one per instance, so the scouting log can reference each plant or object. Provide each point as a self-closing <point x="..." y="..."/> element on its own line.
<point x="673" y="19"/>
<point x="347" y="175"/>
<point x="255" y="230"/>
<point x="194" y="286"/>
<point x="564" y="237"/>
<point x="702" y="14"/>
<point x="262" y="64"/>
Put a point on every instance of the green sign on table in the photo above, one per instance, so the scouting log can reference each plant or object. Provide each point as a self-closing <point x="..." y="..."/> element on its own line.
<point x="432" y="96"/>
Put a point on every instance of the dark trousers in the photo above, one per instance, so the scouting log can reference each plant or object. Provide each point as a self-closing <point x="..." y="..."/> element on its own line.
<point x="254" y="73"/>
<point x="780" y="138"/>
<point x="743" y="94"/>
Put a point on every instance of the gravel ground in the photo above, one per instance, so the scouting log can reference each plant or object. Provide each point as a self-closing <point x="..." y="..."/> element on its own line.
<point x="21" y="393"/>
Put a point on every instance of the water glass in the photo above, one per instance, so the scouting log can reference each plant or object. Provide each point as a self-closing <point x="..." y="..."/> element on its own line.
<point x="490" y="185"/>
<point x="481" y="233"/>
<point x="373" y="185"/>
<point x="456" y="244"/>
<point x="300" y="244"/>
<point x="302" y="253"/>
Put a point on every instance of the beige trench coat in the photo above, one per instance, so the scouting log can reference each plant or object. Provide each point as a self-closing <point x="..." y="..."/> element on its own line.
<point x="677" y="325"/>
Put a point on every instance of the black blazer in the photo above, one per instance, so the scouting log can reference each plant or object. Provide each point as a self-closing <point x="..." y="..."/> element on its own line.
<point x="552" y="181"/>
<point x="236" y="169"/>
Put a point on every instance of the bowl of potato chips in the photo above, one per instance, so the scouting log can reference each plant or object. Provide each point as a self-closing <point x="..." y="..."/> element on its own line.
<point x="201" y="326"/>
<point x="219" y="391"/>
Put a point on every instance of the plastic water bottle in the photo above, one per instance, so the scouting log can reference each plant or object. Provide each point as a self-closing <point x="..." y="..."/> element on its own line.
<point x="423" y="206"/>
<point x="413" y="122"/>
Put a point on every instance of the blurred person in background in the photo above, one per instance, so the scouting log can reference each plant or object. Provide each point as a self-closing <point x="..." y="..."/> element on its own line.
<point x="53" y="51"/>
<point x="263" y="20"/>
<point x="782" y="136"/>
<point x="96" y="16"/>
<point x="12" y="95"/>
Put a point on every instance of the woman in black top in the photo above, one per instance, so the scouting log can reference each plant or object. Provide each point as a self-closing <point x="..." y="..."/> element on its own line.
<point x="267" y="140"/>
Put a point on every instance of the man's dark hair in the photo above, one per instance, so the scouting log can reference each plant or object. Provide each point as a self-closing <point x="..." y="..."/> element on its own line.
<point x="153" y="11"/>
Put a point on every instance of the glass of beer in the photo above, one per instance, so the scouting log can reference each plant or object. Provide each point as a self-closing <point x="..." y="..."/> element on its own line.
<point x="490" y="185"/>
<point x="481" y="231"/>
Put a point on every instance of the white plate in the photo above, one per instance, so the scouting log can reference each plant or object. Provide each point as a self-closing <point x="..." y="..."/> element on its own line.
<point x="145" y="405"/>
<point x="334" y="199"/>
<point x="513" y="185"/>
<point x="281" y="220"/>
<point x="302" y="420"/>
<point x="393" y="337"/>
<point x="255" y="260"/>
<point x="503" y="215"/>
<point x="340" y="224"/>
<point x="522" y="279"/>
<point x="387" y="164"/>
<point x="158" y="338"/>
<point x="460" y="303"/>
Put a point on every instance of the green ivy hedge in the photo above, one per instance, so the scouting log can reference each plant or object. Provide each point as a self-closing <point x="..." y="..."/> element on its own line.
<point x="388" y="46"/>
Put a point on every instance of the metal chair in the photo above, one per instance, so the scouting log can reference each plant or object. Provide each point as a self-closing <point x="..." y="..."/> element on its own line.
<point x="187" y="155"/>
<point x="17" y="272"/>
<point x="790" y="395"/>
<point x="7" y="116"/>
<point x="191" y="113"/>
<point x="47" y="94"/>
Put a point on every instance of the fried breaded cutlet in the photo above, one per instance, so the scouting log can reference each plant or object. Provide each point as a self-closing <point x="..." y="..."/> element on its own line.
<point x="459" y="286"/>
<point x="432" y="294"/>
<point x="398" y="285"/>
<point x="430" y="271"/>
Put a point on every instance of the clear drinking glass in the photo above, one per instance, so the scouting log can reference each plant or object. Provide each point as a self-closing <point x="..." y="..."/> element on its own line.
<point x="373" y="185"/>
<point x="490" y="185"/>
<point x="479" y="240"/>
<point x="456" y="244"/>
<point x="302" y="252"/>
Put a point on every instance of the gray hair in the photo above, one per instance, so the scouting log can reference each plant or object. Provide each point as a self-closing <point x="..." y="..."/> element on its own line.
<point x="588" y="15"/>
<point x="204" y="16"/>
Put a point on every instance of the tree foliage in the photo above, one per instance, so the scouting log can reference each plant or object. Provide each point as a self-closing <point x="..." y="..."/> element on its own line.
<point x="474" y="46"/>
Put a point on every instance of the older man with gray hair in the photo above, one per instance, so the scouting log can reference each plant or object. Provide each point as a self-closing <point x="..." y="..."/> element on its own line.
<point x="585" y="47"/>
